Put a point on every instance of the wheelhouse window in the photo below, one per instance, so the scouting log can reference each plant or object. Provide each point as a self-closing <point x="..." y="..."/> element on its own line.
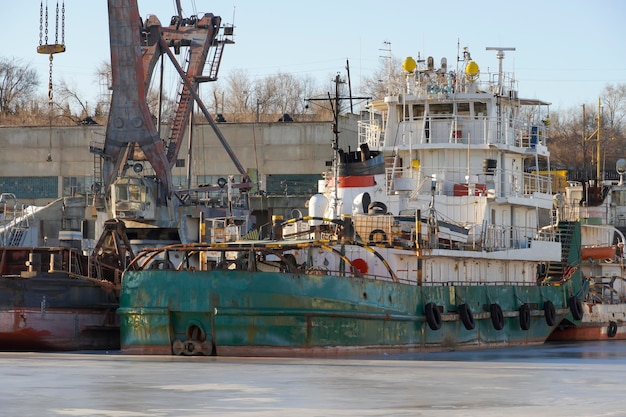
<point x="463" y="109"/>
<point x="480" y="109"/>
<point x="441" y="109"/>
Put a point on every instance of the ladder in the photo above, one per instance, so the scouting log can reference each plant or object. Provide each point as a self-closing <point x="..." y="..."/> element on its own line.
<point x="562" y="270"/>
<point x="216" y="61"/>
<point x="16" y="236"/>
<point x="97" y="149"/>
<point x="181" y="118"/>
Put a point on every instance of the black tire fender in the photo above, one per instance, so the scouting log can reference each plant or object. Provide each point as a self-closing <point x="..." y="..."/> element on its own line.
<point x="524" y="316"/>
<point x="465" y="312"/>
<point x="433" y="316"/>
<point x="550" y="312"/>
<point x="611" y="331"/>
<point x="497" y="317"/>
<point x="576" y="307"/>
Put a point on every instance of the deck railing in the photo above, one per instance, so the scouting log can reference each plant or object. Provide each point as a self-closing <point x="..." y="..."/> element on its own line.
<point x="434" y="130"/>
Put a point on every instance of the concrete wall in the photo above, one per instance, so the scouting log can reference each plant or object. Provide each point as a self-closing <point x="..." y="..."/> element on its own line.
<point x="270" y="148"/>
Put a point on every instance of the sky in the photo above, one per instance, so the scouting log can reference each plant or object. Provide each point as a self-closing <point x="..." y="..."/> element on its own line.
<point x="566" y="53"/>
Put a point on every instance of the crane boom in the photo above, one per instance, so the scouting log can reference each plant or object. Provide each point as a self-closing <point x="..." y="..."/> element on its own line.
<point x="130" y="120"/>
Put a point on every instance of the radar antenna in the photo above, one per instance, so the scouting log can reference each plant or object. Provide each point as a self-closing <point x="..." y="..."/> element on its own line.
<point x="500" y="56"/>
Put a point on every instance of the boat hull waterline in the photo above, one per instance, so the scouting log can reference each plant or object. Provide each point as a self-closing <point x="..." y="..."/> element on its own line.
<point x="54" y="312"/>
<point x="235" y="313"/>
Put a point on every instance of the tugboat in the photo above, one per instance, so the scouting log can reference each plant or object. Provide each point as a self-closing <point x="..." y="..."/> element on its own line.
<point x="601" y="209"/>
<point x="433" y="235"/>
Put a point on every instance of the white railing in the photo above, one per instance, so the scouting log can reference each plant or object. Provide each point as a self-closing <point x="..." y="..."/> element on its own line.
<point x="452" y="130"/>
<point x="518" y="184"/>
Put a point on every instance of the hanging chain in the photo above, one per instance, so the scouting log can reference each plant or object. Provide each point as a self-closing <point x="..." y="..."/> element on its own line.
<point x="50" y="81"/>
<point x="56" y="25"/>
<point x="41" y="23"/>
<point x="63" y="23"/>
<point x="46" y="23"/>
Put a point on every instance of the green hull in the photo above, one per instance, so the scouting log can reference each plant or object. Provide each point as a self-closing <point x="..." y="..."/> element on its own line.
<point x="282" y="314"/>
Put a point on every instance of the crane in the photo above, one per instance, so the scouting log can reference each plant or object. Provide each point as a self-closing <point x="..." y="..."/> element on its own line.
<point x="132" y="138"/>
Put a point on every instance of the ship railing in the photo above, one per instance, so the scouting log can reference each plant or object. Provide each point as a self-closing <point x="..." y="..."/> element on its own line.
<point x="225" y="229"/>
<point x="452" y="129"/>
<point x="401" y="231"/>
<point x="606" y="290"/>
<point x="577" y="209"/>
<point x="499" y="238"/>
<point x="371" y="133"/>
<point x="15" y="219"/>
<point x="537" y="183"/>
<point x="440" y="86"/>
<point x="457" y="181"/>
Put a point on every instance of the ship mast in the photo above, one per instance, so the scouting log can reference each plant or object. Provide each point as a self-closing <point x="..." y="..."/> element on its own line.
<point x="598" y="153"/>
<point x="500" y="56"/>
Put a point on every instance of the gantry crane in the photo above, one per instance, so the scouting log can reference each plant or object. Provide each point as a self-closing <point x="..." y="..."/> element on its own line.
<point x="131" y="133"/>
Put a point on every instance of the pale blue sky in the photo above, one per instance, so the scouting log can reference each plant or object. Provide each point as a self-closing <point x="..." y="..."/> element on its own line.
<point x="566" y="51"/>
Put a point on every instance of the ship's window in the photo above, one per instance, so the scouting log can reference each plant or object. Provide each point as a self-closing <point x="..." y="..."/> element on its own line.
<point x="619" y="197"/>
<point x="73" y="186"/>
<point x="440" y="108"/>
<point x="418" y="111"/>
<point x="463" y="109"/>
<point x="480" y="108"/>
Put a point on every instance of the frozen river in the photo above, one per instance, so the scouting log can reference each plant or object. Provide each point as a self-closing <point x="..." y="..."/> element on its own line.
<point x="552" y="380"/>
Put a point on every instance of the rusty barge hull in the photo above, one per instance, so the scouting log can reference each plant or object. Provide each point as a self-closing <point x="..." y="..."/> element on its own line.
<point x="588" y="332"/>
<point x="239" y="313"/>
<point x="44" y="307"/>
<point x="26" y="329"/>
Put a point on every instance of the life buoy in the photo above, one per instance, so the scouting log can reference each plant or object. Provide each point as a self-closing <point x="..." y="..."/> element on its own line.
<point x="466" y="316"/>
<point x="378" y="233"/>
<point x="497" y="317"/>
<point x="576" y="307"/>
<point x="360" y="265"/>
<point x="524" y="316"/>
<point x="611" y="331"/>
<point x="550" y="312"/>
<point x="433" y="316"/>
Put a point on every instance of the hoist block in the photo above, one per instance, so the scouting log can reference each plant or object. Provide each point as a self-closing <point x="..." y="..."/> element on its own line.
<point x="54" y="48"/>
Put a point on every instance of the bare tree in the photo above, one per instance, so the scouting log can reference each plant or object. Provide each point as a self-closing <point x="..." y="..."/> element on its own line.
<point x="614" y="112"/>
<point x="574" y="141"/>
<point x="17" y="84"/>
<point x="239" y="90"/>
<point x="387" y="79"/>
<point x="66" y="97"/>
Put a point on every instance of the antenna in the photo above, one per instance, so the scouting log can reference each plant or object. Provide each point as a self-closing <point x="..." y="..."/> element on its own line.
<point x="388" y="61"/>
<point x="500" y="56"/>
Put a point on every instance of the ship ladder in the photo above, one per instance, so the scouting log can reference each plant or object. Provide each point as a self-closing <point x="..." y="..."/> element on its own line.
<point x="217" y="59"/>
<point x="556" y="271"/>
<point x="97" y="180"/>
<point x="16" y="236"/>
<point x="182" y="114"/>
<point x="75" y="264"/>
